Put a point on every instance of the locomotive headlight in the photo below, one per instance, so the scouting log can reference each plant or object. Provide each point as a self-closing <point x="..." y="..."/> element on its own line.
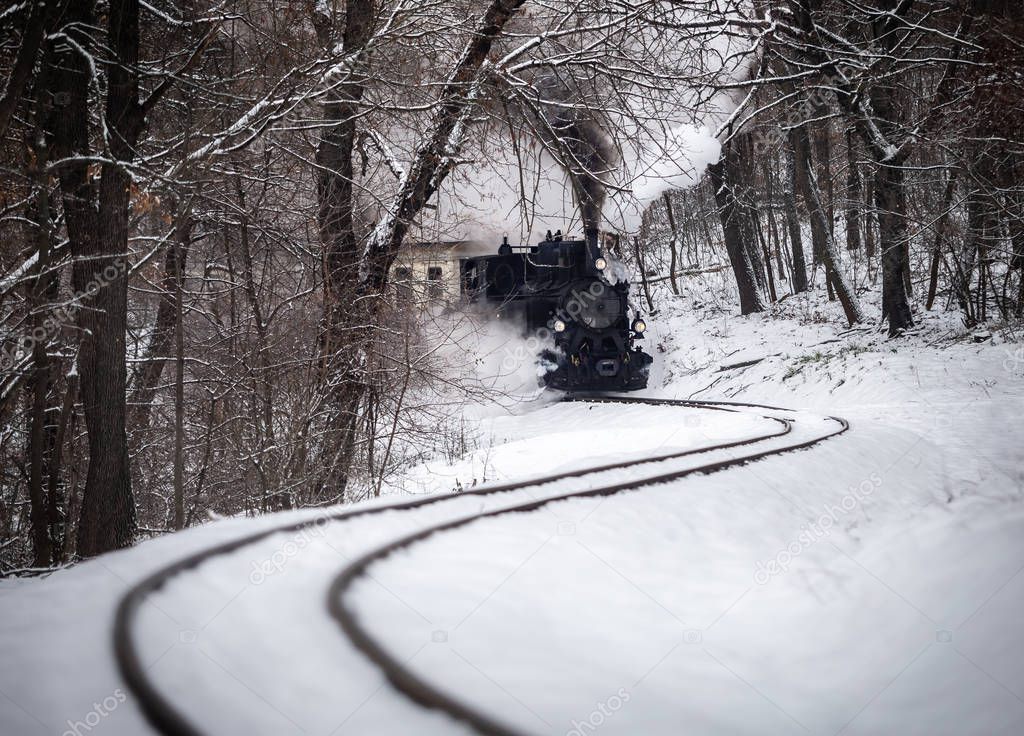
<point x="639" y="326"/>
<point x="558" y="325"/>
<point x="600" y="264"/>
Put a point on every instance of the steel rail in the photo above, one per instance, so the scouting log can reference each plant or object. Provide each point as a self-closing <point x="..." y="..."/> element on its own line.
<point x="419" y="689"/>
<point x="167" y="718"/>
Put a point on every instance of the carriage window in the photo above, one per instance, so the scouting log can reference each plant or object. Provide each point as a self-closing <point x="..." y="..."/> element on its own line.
<point x="435" y="288"/>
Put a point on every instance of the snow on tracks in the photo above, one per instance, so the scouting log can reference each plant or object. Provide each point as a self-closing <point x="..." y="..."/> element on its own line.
<point x="166" y="700"/>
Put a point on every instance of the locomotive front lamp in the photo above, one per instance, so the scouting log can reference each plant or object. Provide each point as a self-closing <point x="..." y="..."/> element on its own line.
<point x="600" y="264"/>
<point x="639" y="326"/>
<point x="559" y="325"/>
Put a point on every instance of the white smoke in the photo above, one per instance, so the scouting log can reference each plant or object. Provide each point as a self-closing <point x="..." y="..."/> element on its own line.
<point x="676" y="161"/>
<point x="491" y="364"/>
<point x="522" y="194"/>
<point x="687" y="154"/>
<point x="665" y="140"/>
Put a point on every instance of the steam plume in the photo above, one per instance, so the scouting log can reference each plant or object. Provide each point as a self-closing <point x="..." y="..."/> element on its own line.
<point x="573" y="130"/>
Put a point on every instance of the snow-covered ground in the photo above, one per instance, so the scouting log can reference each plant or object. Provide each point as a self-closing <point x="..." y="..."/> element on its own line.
<point x="870" y="585"/>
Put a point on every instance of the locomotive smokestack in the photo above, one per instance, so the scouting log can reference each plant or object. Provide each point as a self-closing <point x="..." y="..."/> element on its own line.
<point x="572" y="128"/>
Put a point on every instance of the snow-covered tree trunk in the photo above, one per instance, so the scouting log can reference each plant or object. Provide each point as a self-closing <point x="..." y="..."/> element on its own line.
<point x="853" y="195"/>
<point x="356" y="281"/>
<point x="725" y="177"/>
<point x="97" y="224"/>
<point x="793" y="223"/>
<point x="891" y="201"/>
<point x="804" y="168"/>
<point x="335" y="187"/>
<point x="437" y="155"/>
<point x="33" y="33"/>
<point x="829" y="250"/>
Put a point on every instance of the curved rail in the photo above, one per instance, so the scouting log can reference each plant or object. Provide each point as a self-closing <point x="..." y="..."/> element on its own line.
<point x="169" y="720"/>
<point x="419" y="689"/>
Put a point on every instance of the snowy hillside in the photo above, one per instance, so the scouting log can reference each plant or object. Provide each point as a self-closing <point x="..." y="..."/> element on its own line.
<point x="870" y="584"/>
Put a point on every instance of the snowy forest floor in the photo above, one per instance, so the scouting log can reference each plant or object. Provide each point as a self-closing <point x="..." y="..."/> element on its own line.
<point x="871" y="584"/>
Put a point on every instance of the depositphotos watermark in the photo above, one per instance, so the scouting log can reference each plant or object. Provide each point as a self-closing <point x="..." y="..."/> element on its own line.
<point x="601" y="713"/>
<point x="1014" y="362"/>
<point x="63" y="315"/>
<point x="810" y="533"/>
<point x="280" y="557"/>
<point x="527" y="350"/>
<point x="99" y="711"/>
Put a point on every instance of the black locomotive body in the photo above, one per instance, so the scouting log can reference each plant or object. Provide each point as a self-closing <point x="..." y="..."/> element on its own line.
<point x="558" y="288"/>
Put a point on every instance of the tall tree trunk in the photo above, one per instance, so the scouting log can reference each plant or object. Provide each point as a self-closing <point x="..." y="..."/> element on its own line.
<point x="908" y="281"/>
<point x="776" y="243"/>
<point x="890" y="183"/>
<point x="723" y="176"/>
<point x="107" y="518"/>
<point x="41" y="547"/>
<point x="179" y="378"/>
<point x="1016" y="228"/>
<point x="799" y="139"/>
<point x="890" y="198"/>
<point x="986" y="237"/>
<point x="43" y="289"/>
<point x="773" y="230"/>
<point x="868" y="221"/>
<point x="753" y="239"/>
<point x="39" y="14"/>
<point x="847" y="297"/>
<point x="854" y="195"/>
<point x="673" y="244"/>
<point x="1012" y="217"/>
<point x="746" y="199"/>
<point x="1019" y="311"/>
<point x="59" y="514"/>
<point x="765" y="248"/>
<point x="337" y="231"/>
<point x="793" y="224"/>
<point x="67" y="124"/>
<point x="823" y="152"/>
<point x="941" y="228"/>
<point x="964" y="262"/>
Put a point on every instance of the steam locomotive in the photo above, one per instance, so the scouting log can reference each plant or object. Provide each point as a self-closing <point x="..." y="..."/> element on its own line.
<point x="560" y="288"/>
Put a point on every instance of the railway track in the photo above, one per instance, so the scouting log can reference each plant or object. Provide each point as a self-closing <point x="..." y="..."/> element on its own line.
<point x="169" y="719"/>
